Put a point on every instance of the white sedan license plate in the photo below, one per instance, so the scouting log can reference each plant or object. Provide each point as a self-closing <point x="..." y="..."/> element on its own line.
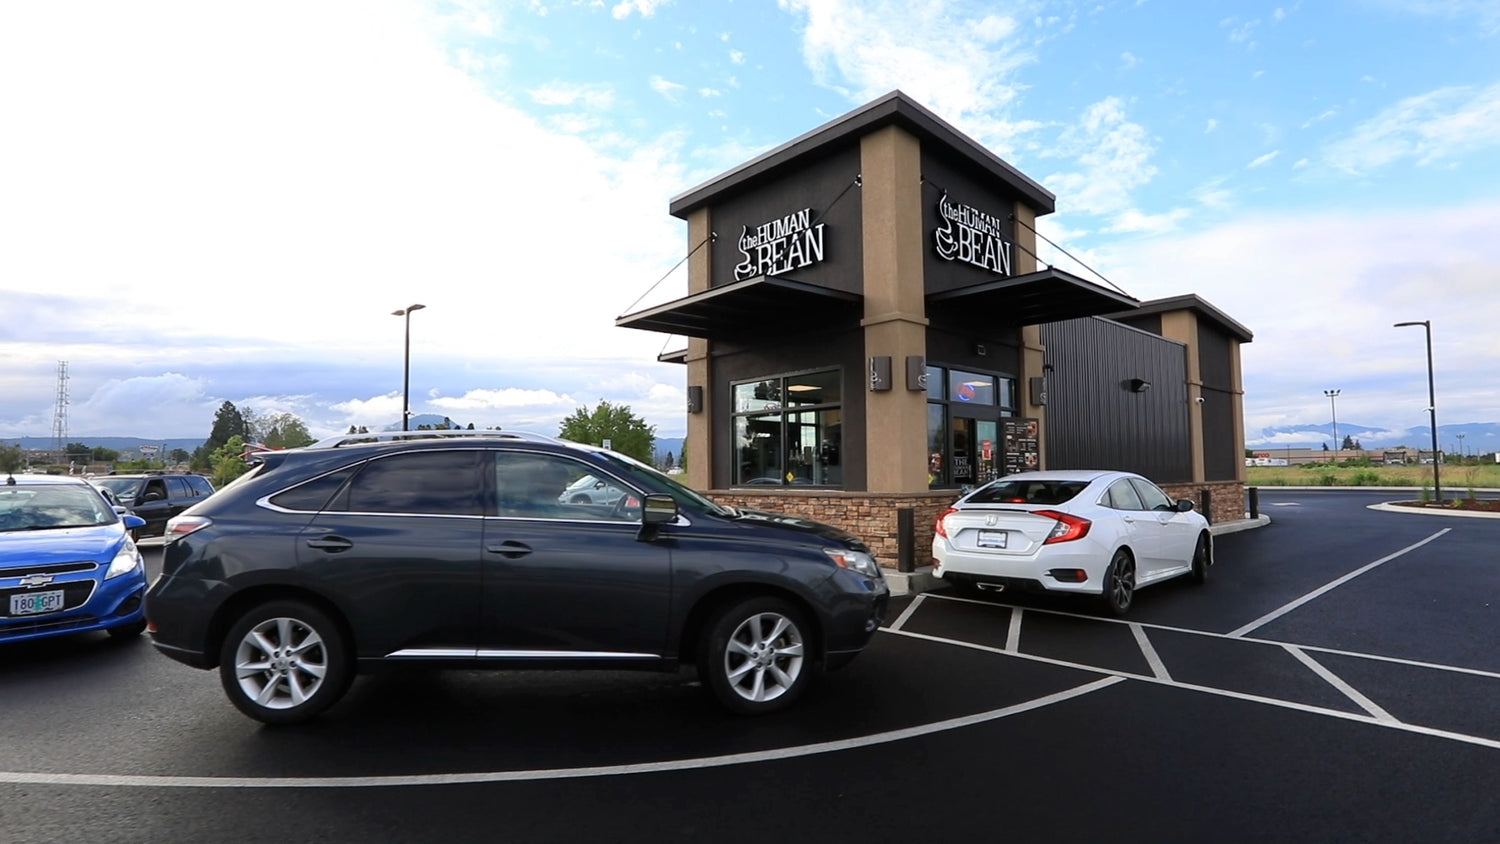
<point x="992" y="538"/>
<point x="33" y="603"/>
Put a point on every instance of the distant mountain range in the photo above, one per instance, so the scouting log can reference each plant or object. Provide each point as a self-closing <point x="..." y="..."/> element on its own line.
<point x="120" y="444"/>
<point x="1478" y="437"/>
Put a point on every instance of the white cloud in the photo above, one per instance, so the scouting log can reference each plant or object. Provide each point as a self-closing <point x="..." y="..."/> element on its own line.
<point x="1129" y="61"/>
<point x="570" y="94"/>
<point x="959" y="59"/>
<point x="506" y="398"/>
<point x="1429" y="128"/>
<point x="1113" y="157"/>
<point x="736" y="57"/>
<point x="666" y="87"/>
<point x="1210" y="126"/>
<point x="1263" y="160"/>
<point x="645" y="8"/>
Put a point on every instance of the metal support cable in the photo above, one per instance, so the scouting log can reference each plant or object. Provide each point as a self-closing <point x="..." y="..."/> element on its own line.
<point x="711" y="237"/>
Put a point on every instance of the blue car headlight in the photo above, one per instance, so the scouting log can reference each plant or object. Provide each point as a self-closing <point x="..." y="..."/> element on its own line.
<point x="854" y="561"/>
<point x="125" y="560"/>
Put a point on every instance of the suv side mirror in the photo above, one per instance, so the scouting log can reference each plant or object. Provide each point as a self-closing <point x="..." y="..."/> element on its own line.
<point x="658" y="509"/>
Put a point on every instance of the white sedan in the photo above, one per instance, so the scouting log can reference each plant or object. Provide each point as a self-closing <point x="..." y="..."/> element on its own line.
<point x="1081" y="531"/>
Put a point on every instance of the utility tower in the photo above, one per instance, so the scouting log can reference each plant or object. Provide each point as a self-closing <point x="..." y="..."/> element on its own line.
<point x="60" y="414"/>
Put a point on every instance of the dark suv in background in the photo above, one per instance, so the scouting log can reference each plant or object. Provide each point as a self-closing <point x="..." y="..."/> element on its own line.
<point x="461" y="550"/>
<point x="156" y="496"/>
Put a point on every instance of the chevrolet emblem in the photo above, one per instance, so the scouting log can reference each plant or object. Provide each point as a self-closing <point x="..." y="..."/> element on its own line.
<point x="36" y="580"/>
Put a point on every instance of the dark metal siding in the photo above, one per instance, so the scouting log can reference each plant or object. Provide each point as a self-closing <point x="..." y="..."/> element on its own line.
<point x="1094" y="421"/>
<point x="1222" y="452"/>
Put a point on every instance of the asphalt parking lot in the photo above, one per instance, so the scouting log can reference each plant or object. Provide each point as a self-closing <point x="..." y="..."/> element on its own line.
<point x="1338" y="679"/>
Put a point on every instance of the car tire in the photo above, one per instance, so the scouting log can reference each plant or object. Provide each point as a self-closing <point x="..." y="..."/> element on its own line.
<point x="306" y="671"/>
<point x="754" y="656"/>
<point x="126" y="632"/>
<point x="1119" y="583"/>
<point x="1203" y="559"/>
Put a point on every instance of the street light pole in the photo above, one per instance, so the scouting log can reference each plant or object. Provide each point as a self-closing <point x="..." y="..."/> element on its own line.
<point x="1333" y="406"/>
<point x="1461" y="454"/>
<point x="1437" y="486"/>
<point x="406" y="365"/>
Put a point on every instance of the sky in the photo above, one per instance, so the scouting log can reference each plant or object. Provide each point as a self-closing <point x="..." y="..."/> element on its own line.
<point x="211" y="201"/>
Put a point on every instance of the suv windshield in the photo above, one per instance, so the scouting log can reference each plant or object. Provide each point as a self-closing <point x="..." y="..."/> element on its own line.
<point x="1027" y="492"/>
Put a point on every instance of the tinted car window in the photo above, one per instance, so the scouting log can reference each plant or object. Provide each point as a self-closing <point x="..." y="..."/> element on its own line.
<point x="314" y="495"/>
<point x="1155" y="499"/>
<point x="200" y="485"/>
<point x="432" y="482"/>
<point x="1122" y="496"/>
<point x="155" y="487"/>
<point x="178" y="488"/>
<point x="1027" y="492"/>
<point x="536" y="486"/>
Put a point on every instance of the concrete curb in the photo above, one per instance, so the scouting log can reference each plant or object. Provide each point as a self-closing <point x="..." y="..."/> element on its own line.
<point x="1423" y="511"/>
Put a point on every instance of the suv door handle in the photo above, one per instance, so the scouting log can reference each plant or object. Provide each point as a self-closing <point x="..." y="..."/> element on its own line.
<point x="330" y="543"/>
<point x="509" y="549"/>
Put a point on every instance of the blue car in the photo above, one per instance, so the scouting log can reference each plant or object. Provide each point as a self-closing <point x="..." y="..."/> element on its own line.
<point x="67" y="563"/>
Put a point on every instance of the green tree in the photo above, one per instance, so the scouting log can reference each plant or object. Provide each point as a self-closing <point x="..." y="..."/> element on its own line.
<point x="179" y="456"/>
<point x="286" y="430"/>
<point x="228" y="462"/>
<point x="626" y="432"/>
<point x="100" y="454"/>
<point x="228" y="424"/>
<point x="77" y="451"/>
<point x="12" y="458"/>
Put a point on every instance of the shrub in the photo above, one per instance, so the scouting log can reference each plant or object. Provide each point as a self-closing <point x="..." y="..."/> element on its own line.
<point x="1328" y="479"/>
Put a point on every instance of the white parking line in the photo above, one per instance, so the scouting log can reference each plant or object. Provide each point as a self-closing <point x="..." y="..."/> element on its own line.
<point x="911" y="608"/>
<point x="1013" y="635"/>
<point x="1334" y="680"/>
<point x="147" y="781"/>
<point x="1149" y="653"/>
<point x="1278" y="613"/>
<point x="1477" y="672"/>
<point x="1392" y="723"/>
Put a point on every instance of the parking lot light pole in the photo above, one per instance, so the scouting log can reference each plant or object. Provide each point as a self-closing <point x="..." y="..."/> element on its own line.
<point x="406" y="365"/>
<point x="1437" y="485"/>
<point x="1333" y="407"/>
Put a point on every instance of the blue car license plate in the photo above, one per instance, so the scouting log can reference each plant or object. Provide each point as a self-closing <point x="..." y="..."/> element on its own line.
<point x="32" y="603"/>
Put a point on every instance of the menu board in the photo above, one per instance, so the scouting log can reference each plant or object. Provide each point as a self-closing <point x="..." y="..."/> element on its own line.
<point x="1020" y="451"/>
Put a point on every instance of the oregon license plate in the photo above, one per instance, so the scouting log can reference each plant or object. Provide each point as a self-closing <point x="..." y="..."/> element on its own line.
<point x="32" y="603"/>
<point x="992" y="538"/>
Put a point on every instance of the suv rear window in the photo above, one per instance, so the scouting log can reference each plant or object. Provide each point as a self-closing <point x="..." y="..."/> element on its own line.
<point x="1027" y="492"/>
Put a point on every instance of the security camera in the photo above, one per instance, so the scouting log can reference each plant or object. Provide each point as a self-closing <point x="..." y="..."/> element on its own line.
<point x="1199" y="400"/>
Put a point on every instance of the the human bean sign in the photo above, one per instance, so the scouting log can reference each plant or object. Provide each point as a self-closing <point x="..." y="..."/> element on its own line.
<point x="972" y="236"/>
<point x="780" y="246"/>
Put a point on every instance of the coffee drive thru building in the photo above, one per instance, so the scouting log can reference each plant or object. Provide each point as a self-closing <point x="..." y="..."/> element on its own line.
<point x="869" y="331"/>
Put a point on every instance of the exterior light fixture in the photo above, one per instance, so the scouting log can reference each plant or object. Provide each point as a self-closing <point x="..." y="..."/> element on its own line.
<point x="406" y="365"/>
<point x="1138" y="385"/>
<point x="1437" y="485"/>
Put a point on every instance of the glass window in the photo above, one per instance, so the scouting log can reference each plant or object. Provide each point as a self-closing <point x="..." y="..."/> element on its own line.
<point x="1122" y="496"/>
<point x="427" y="482"/>
<point x="759" y="395"/>
<point x="200" y="485"/>
<point x="814" y="388"/>
<point x="1152" y="495"/>
<point x="789" y="430"/>
<point x="312" y="496"/>
<point x="937" y="443"/>
<point x="758" y="443"/>
<point x="935" y="383"/>
<point x="971" y="387"/>
<point x="1050" y="493"/>
<point x="550" y="486"/>
<point x="179" y="488"/>
<point x="155" y="490"/>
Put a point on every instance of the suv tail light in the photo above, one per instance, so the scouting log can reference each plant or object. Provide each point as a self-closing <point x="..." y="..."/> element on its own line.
<point x="1067" y="529"/>
<point x="180" y="526"/>
<point x="939" y="527"/>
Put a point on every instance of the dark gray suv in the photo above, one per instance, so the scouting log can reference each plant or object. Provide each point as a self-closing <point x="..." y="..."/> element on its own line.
<point x="156" y="496"/>
<point x="455" y="550"/>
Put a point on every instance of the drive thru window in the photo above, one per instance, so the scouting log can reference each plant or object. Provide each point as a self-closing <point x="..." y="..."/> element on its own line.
<point x="788" y="430"/>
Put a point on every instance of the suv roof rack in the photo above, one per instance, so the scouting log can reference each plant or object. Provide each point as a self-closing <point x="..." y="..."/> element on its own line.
<point x="398" y="436"/>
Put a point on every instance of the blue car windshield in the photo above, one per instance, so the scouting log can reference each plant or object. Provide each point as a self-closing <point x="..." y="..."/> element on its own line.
<point x="52" y="507"/>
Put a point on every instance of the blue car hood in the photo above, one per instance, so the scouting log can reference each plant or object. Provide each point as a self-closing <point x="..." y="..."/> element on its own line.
<point x="800" y="525"/>
<point x="62" y="545"/>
